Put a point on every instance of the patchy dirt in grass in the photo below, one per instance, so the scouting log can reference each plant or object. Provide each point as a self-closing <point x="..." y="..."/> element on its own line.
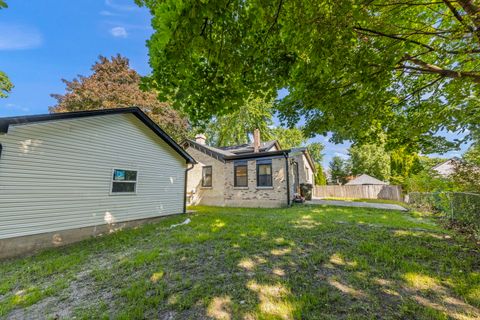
<point x="62" y="306"/>
<point x="79" y="292"/>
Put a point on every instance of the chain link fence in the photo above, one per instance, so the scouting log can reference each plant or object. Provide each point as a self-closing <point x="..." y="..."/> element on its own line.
<point x="460" y="208"/>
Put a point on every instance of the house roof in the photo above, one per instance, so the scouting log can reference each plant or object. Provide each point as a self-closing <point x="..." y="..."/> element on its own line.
<point x="243" y="152"/>
<point x="454" y="159"/>
<point x="248" y="148"/>
<point x="6" y="122"/>
<point x="365" y="179"/>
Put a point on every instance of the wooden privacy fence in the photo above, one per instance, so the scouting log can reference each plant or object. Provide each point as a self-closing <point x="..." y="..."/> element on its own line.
<point x="360" y="192"/>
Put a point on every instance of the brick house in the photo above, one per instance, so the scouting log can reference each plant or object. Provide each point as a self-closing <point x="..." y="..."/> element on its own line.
<point x="260" y="174"/>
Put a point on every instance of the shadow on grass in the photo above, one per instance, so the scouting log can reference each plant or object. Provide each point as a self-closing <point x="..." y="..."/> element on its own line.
<point x="302" y="262"/>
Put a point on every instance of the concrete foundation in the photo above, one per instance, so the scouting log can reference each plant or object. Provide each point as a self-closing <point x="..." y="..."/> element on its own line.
<point x="20" y="246"/>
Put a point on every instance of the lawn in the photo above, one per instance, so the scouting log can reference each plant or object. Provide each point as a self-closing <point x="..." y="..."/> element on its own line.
<point x="400" y="203"/>
<point x="308" y="262"/>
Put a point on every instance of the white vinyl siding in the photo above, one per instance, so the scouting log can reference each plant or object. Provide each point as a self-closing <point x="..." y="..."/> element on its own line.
<point x="57" y="175"/>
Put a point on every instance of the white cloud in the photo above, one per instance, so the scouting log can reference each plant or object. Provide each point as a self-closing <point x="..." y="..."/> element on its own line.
<point x="107" y="13"/>
<point x="119" y="32"/>
<point x="341" y="155"/>
<point x="19" y="37"/>
<point x="117" y="6"/>
<point x="14" y="107"/>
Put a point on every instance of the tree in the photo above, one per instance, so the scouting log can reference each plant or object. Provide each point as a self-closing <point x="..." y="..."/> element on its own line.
<point x="402" y="165"/>
<point x="114" y="84"/>
<point x="315" y="149"/>
<point x="5" y="85"/>
<point x="370" y="159"/>
<point x="428" y="181"/>
<point x="339" y="170"/>
<point x="236" y="127"/>
<point x="467" y="176"/>
<point x="289" y="137"/>
<point x="473" y="154"/>
<point x="357" y="68"/>
<point x="320" y="178"/>
<point x="467" y="171"/>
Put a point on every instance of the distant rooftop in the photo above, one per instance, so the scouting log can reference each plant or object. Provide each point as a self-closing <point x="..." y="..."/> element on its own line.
<point x="365" y="179"/>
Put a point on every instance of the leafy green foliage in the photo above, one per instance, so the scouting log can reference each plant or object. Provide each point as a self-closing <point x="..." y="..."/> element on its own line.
<point x="320" y="178"/>
<point x="316" y="151"/>
<point x="288" y="137"/>
<point x="356" y="68"/>
<point x="339" y="170"/>
<point x="428" y="181"/>
<point x="402" y="165"/>
<point x="472" y="155"/>
<point x="236" y="127"/>
<point x="5" y="85"/>
<point x="467" y="177"/>
<point x="371" y="159"/>
<point x="467" y="171"/>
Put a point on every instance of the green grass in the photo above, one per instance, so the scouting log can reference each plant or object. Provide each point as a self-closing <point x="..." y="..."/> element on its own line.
<point x="369" y="200"/>
<point x="305" y="262"/>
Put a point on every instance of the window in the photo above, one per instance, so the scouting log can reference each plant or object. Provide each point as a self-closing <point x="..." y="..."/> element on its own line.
<point x="207" y="177"/>
<point x="264" y="173"/>
<point x="124" y="181"/>
<point x="240" y="174"/>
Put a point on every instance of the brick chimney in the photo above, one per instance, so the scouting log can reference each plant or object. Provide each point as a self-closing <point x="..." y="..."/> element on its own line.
<point x="256" y="140"/>
<point x="201" y="139"/>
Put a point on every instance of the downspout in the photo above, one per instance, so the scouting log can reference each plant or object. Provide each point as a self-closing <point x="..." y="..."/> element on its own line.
<point x="185" y="188"/>
<point x="288" y="178"/>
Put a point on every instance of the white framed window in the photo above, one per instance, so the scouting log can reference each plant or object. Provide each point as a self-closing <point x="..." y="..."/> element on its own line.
<point x="124" y="181"/>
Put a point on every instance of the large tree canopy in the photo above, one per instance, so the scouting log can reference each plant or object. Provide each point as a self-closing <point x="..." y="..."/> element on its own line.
<point x="354" y="67"/>
<point x="114" y="84"/>
<point x="371" y="159"/>
<point x="237" y="127"/>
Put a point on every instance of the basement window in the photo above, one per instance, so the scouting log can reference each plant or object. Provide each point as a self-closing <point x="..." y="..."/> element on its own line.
<point x="124" y="181"/>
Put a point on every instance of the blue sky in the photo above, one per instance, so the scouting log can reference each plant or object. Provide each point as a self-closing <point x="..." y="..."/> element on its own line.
<point x="42" y="42"/>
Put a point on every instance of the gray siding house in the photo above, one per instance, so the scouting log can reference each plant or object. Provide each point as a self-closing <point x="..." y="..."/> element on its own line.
<point x="67" y="176"/>
<point x="249" y="175"/>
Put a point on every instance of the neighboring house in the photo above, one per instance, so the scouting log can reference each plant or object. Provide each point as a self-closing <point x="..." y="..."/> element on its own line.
<point x="67" y="176"/>
<point x="365" y="179"/>
<point x="447" y="167"/>
<point x="249" y="175"/>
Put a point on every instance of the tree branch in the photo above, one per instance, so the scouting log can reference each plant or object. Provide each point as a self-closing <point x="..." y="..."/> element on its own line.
<point x="456" y="14"/>
<point x="391" y="36"/>
<point x="474" y="12"/>
<point x="425" y="67"/>
<point x="280" y="4"/>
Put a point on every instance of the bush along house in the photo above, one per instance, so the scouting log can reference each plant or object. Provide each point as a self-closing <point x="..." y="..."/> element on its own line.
<point x="259" y="174"/>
